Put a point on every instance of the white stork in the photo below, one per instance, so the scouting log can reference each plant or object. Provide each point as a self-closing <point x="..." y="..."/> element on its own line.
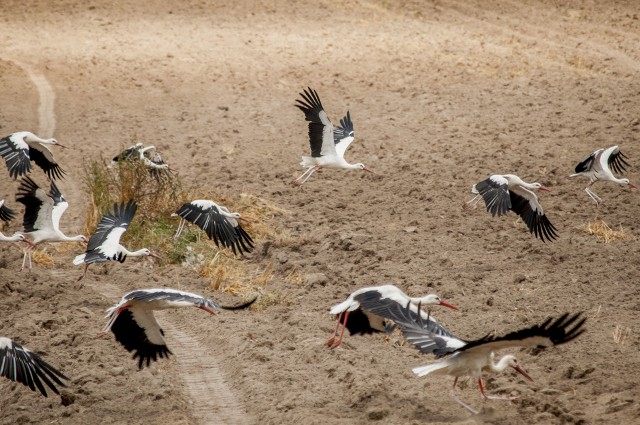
<point x="104" y="244"/>
<point x="18" y="149"/>
<point x="19" y="364"/>
<point x="328" y="144"/>
<point x="362" y="321"/>
<point x="42" y="216"/>
<point x="598" y="165"/>
<point x="135" y="327"/>
<point x="471" y="358"/>
<point x="130" y="153"/>
<point x="504" y="192"/>
<point x="218" y="222"/>
<point x="6" y="215"/>
<point x="156" y="165"/>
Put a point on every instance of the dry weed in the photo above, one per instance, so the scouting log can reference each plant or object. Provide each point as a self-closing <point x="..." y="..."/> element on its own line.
<point x="621" y="334"/>
<point x="42" y="258"/>
<point x="604" y="233"/>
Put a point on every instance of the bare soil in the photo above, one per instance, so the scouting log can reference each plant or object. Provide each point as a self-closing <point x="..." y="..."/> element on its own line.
<point x="442" y="94"/>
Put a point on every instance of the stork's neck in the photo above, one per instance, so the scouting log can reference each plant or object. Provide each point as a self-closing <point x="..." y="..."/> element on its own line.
<point x="30" y="137"/>
<point x="77" y="238"/>
<point x="12" y="238"/>
<point x="137" y="253"/>
<point x="502" y="364"/>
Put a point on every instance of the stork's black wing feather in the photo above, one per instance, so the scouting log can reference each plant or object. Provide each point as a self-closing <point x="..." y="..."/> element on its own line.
<point x="312" y="108"/>
<point x="43" y="158"/>
<point x="24" y="366"/>
<point x="538" y="224"/>
<point x="495" y="193"/>
<point x="586" y="164"/>
<point x="6" y="213"/>
<point x="26" y="195"/>
<point x="133" y="338"/>
<point x="121" y="216"/>
<point x="345" y="129"/>
<point x="17" y="159"/>
<point x="550" y="332"/>
<point x="617" y="163"/>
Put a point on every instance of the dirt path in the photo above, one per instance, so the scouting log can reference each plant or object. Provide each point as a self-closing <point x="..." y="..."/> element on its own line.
<point x="212" y="400"/>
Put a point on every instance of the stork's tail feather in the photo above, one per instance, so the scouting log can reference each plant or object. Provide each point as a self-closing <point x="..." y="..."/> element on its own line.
<point x="307" y="161"/>
<point x="339" y="308"/>
<point x="79" y="259"/>
<point x="427" y="369"/>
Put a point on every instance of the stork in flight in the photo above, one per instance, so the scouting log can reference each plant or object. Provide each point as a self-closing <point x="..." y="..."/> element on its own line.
<point x="504" y="192"/>
<point x="135" y="327"/>
<point x="6" y="215"/>
<point x="218" y="222"/>
<point x="598" y="165"/>
<point x="358" y="320"/>
<point x="471" y="358"/>
<point x="328" y="144"/>
<point x="104" y="244"/>
<point x="42" y="216"/>
<point x="19" y="364"/>
<point x="154" y="163"/>
<point x="19" y="149"/>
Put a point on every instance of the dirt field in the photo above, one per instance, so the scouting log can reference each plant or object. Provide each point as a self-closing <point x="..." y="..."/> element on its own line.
<point x="442" y="94"/>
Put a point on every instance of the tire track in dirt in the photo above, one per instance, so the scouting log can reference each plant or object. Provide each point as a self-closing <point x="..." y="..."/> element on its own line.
<point x="213" y="400"/>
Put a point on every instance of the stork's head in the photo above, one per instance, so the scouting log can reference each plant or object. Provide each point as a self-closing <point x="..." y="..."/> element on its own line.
<point x="81" y="238"/>
<point x="538" y="186"/>
<point x="511" y="361"/>
<point x="627" y="182"/>
<point x="363" y="167"/>
<point x="433" y="299"/>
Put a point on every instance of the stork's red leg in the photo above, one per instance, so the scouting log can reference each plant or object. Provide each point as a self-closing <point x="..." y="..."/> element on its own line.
<point x="335" y="331"/>
<point x="494" y="397"/>
<point x="344" y="326"/>
<point x="454" y="396"/>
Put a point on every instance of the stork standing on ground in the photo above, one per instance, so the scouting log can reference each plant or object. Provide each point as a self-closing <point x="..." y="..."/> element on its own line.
<point x="504" y="192"/>
<point x="598" y="165"/>
<point x="328" y="144"/>
<point x="135" y="327"/>
<point x="104" y="244"/>
<point x="19" y="364"/>
<point x="42" y="216"/>
<point x="19" y="149"/>
<point x="471" y="358"/>
<point x="218" y="222"/>
<point x="6" y="215"/>
<point x="358" y="320"/>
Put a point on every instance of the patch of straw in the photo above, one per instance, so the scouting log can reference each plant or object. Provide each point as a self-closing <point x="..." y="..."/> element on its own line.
<point x="604" y="233"/>
<point x="621" y="334"/>
<point x="42" y="258"/>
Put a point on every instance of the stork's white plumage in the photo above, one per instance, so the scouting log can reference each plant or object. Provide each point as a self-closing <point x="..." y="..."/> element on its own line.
<point x="218" y="222"/>
<point x="42" y="216"/>
<point x="471" y="358"/>
<point x="359" y="320"/>
<point x="598" y="165"/>
<point x="328" y="143"/>
<point x="104" y="244"/>
<point x="19" y="364"/>
<point x="151" y="158"/>
<point x="6" y="215"/>
<point x="508" y="192"/>
<point x="135" y="327"/>
<point x="19" y="149"/>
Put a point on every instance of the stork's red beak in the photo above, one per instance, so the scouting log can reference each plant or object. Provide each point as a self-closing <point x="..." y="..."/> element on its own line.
<point x="207" y="309"/>
<point x="545" y="188"/>
<point x="61" y="145"/>
<point x="246" y="220"/>
<point x="446" y="304"/>
<point x="521" y="371"/>
<point x="633" y="185"/>
<point x="369" y="170"/>
<point x="151" y="254"/>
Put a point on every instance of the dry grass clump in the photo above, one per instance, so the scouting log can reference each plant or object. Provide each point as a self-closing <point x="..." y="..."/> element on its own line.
<point x="42" y="258"/>
<point x="231" y="275"/>
<point x="621" y="334"/>
<point x="604" y="233"/>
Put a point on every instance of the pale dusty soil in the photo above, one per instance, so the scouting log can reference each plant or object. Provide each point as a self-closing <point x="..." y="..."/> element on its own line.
<point x="442" y="94"/>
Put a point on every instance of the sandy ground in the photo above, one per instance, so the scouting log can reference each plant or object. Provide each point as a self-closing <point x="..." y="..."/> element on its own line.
<point x="442" y="94"/>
